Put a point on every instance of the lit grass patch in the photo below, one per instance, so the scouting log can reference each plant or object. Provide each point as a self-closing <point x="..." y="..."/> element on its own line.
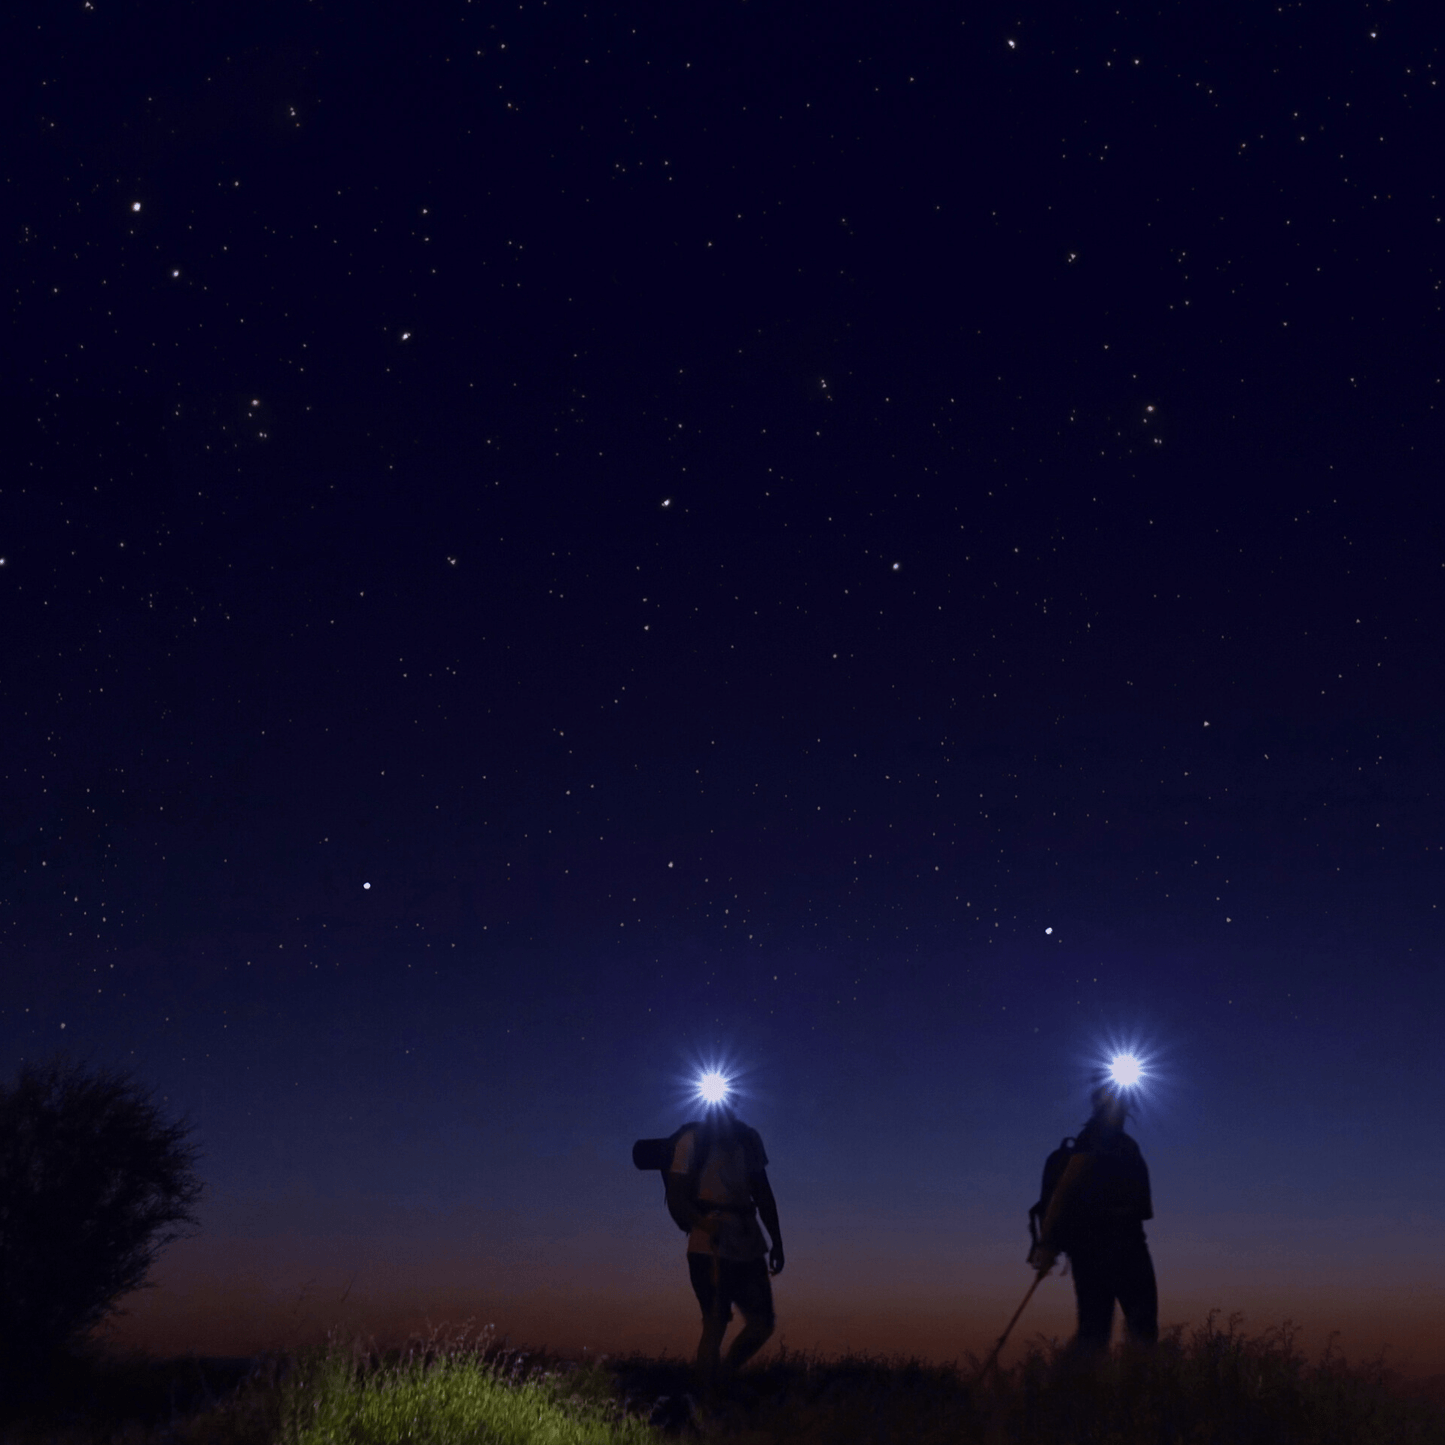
<point x="445" y="1398"/>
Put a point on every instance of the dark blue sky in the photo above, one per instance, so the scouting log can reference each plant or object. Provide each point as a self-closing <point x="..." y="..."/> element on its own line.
<point x="893" y="557"/>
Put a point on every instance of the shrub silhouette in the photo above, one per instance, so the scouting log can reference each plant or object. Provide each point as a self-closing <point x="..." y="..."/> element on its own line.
<point x="93" y="1184"/>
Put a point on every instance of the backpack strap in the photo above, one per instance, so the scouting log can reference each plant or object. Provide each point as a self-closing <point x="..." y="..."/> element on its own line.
<point x="1067" y="1147"/>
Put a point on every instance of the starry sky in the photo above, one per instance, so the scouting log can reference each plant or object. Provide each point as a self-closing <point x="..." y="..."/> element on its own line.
<point x="548" y="545"/>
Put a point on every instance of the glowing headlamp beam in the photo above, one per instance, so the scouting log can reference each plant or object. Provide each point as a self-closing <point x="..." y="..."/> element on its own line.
<point x="1125" y="1070"/>
<point x="713" y="1087"/>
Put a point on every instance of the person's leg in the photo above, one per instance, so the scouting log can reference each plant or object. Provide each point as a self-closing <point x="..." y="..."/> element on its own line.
<point x="716" y="1312"/>
<point x="1138" y="1292"/>
<point x="751" y="1289"/>
<point x="1094" y="1296"/>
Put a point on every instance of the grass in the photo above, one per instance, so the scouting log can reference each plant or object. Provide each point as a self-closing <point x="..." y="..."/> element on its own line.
<point x="1214" y="1386"/>
<point x="444" y="1393"/>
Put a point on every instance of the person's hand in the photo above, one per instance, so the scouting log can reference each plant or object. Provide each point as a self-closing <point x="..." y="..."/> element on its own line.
<point x="1042" y="1259"/>
<point x="775" y="1259"/>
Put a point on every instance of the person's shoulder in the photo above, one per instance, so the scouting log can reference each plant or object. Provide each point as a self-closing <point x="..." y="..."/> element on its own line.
<point x="684" y="1141"/>
<point x="1115" y="1146"/>
<point x="752" y="1143"/>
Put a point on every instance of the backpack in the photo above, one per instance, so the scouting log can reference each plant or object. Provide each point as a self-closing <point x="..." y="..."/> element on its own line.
<point x="1054" y="1167"/>
<point x="658" y="1154"/>
<point x="1116" y="1192"/>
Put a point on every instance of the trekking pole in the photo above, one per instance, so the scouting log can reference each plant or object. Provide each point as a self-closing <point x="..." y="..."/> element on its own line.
<point x="978" y="1378"/>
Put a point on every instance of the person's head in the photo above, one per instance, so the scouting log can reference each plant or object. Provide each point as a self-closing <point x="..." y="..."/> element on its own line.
<point x="1111" y="1107"/>
<point x="719" y="1121"/>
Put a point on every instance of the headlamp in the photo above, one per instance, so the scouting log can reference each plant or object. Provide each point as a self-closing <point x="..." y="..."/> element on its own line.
<point x="1125" y="1071"/>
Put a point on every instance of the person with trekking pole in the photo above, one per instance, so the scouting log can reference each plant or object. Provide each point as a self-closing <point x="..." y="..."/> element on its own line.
<point x="716" y="1179"/>
<point x="1093" y="1205"/>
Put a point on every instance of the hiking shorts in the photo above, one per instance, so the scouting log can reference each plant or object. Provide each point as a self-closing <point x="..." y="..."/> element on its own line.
<point x="741" y="1282"/>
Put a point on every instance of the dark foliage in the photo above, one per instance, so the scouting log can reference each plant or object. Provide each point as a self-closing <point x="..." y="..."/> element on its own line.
<point x="99" y="1395"/>
<point x="1218" y="1386"/>
<point x="93" y="1184"/>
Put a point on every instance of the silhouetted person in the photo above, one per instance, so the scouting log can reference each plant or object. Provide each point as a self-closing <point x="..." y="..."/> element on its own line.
<point x="717" y="1186"/>
<point x="1096" y="1216"/>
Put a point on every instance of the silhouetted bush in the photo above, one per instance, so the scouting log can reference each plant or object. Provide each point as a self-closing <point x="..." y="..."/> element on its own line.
<point x="93" y="1184"/>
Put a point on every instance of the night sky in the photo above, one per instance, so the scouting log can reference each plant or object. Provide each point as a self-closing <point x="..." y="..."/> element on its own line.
<point x="891" y="550"/>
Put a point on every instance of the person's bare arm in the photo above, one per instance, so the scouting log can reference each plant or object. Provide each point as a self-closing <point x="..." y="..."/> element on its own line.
<point x="768" y="1210"/>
